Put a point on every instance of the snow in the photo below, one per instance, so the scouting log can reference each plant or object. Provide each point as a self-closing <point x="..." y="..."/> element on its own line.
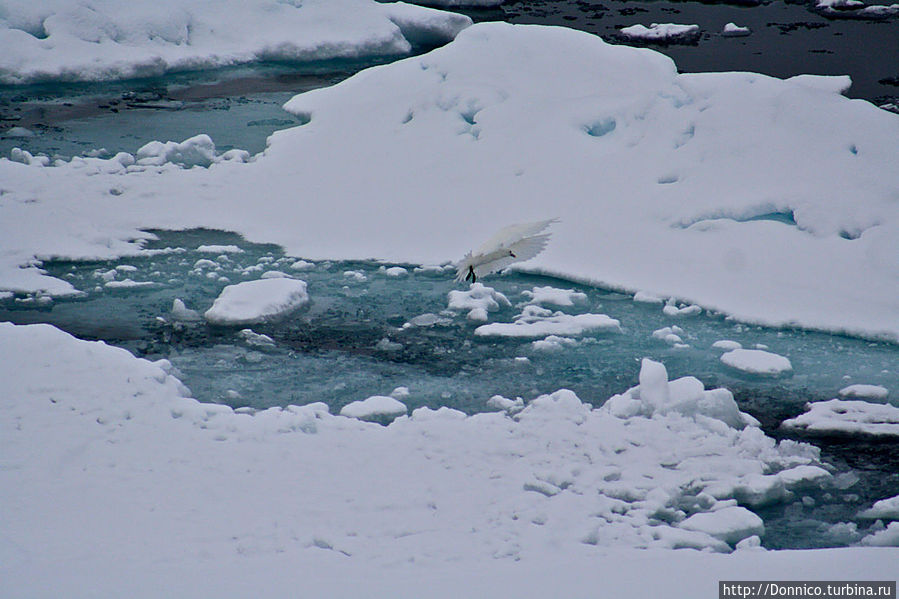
<point x="534" y="321"/>
<point x="553" y="343"/>
<point x="757" y="361"/>
<point x="530" y="125"/>
<point x="661" y="32"/>
<point x="564" y="298"/>
<point x="727" y="344"/>
<point x="887" y="509"/>
<point x="889" y="537"/>
<point x="219" y="249"/>
<point x="734" y="30"/>
<point x="113" y="39"/>
<point x="731" y="524"/>
<point x="180" y="311"/>
<point x="848" y="416"/>
<point x="865" y="391"/>
<point x="644" y="297"/>
<point x="478" y="301"/>
<point x="358" y="508"/>
<point x="374" y="408"/>
<point x="257" y="301"/>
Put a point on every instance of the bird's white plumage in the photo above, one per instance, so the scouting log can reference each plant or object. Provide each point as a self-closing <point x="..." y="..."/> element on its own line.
<point x="515" y="243"/>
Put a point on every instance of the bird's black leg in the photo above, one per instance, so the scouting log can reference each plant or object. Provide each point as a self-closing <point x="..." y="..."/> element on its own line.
<point x="473" y="277"/>
<point x="511" y="253"/>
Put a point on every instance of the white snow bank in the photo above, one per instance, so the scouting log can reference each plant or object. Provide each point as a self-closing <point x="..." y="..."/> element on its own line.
<point x="865" y="391"/>
<point x="757" y="361"/>
<point x="257" y="301"/>
<point x="113" y="39"/>
<point x="848" y="416"/>
<point x="887" y="509"/>
<point x="509" y="125"/>
<point x="535" y="321"/>
<point x="661" y="32"/>
<point x="374" y="408"/>
<point x="215" y="494"/>
<point x="888" y="537"/>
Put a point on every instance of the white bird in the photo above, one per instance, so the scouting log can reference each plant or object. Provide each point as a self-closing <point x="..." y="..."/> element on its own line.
<point x="515" y="243"/>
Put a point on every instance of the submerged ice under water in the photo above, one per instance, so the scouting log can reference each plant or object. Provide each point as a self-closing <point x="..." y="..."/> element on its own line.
<point x="370" y="328"/>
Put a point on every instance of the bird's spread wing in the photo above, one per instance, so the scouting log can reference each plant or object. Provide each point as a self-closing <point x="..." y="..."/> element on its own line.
<point x="515" y="243"/>
<point x="506" y="236"/>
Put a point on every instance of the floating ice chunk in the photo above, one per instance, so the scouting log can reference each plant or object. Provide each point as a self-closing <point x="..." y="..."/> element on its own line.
<point x="889" y="537"/>
<point x="757" y="361"/>
<point x="302" y="265"/>
<point x="257" y="301"/>
<point x="672" y="309"/>
<point x="727" y="344"/>
<point x="386" y="344"/>
<point x="128" y="284"/>
<point x="645" y="297"/>
<point x="865" y="391"/>
<point x="27" y="158"/>
<point x="274" y="274"/>
<point x="219" y="249"/>
<point x="886" y="509"/>
<point x="198" y="150"/>
<point x="553" y="343"/>
<point x="427" y="320"/>
<point x="377" y="408"/>
<point x="206" y="263"/>
<point x="539" y="322"/>
<point x="558" y="297"/>
<point x="686" y="396"/>
<point x="18" y="132"/>
<point x="478" y="300"/>
<point x="804" y="473"/>
<point x="182" y="312"/>
<point x="396" y="271"/>
<point x="753" y="542"/>
<point x="848" y="416"/>
<point x="839" y="4"/>
<point x="356" y="275"/>
<point x="256" y="339"/>
<point x="661" y="32"/>
<point x="730" y="524"/>
<point x="400" y="393"/>
<point x="734" y="30"/>
<point x="671" y="335"/>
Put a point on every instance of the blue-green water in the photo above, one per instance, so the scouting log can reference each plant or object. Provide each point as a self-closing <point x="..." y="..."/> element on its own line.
<point x="352" y="341"/>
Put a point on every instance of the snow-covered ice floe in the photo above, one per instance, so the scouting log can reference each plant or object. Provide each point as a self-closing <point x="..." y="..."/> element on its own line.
<point x="757" y="361"/>
<point x="661" y="466"/>
<point x="113" y="39"/>
<point x="662" y="32"/>
<point x="644" y="153"/>
<point x="848" y="416"/>
<point x="534" y="321"/>
<point x="734" y="30"/>
<point x="257" y="301"/>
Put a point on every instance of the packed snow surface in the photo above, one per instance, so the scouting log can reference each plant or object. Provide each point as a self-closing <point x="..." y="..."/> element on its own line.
<point x="661" y="32"/>
<point x="643" y="152"/>
<point x="257" y="301"/>
<point x="204" y="486"/>
<point x="113" y="39"/>
<point x="848" y="416"/>
<point x="757" y="361"/>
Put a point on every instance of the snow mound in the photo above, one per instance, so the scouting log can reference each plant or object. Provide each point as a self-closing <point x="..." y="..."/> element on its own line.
<point x="195" y="151"/>
<point x="478" y="301"/>
<point x="375" y="408"/>
<point x="257" y="301"/>
<point x="535" y="321"/>
<point x="848" y="416"/>
<point x="757" y="361"/>
<point x="865" y="391"/>
<point x="661" y="32"/>
<point x="113" y="39"/>
<point x="887" y="509"/>
<point x="888" y="537"/>
<point x="686" y="396"/>
<point x="731" y="524"/>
